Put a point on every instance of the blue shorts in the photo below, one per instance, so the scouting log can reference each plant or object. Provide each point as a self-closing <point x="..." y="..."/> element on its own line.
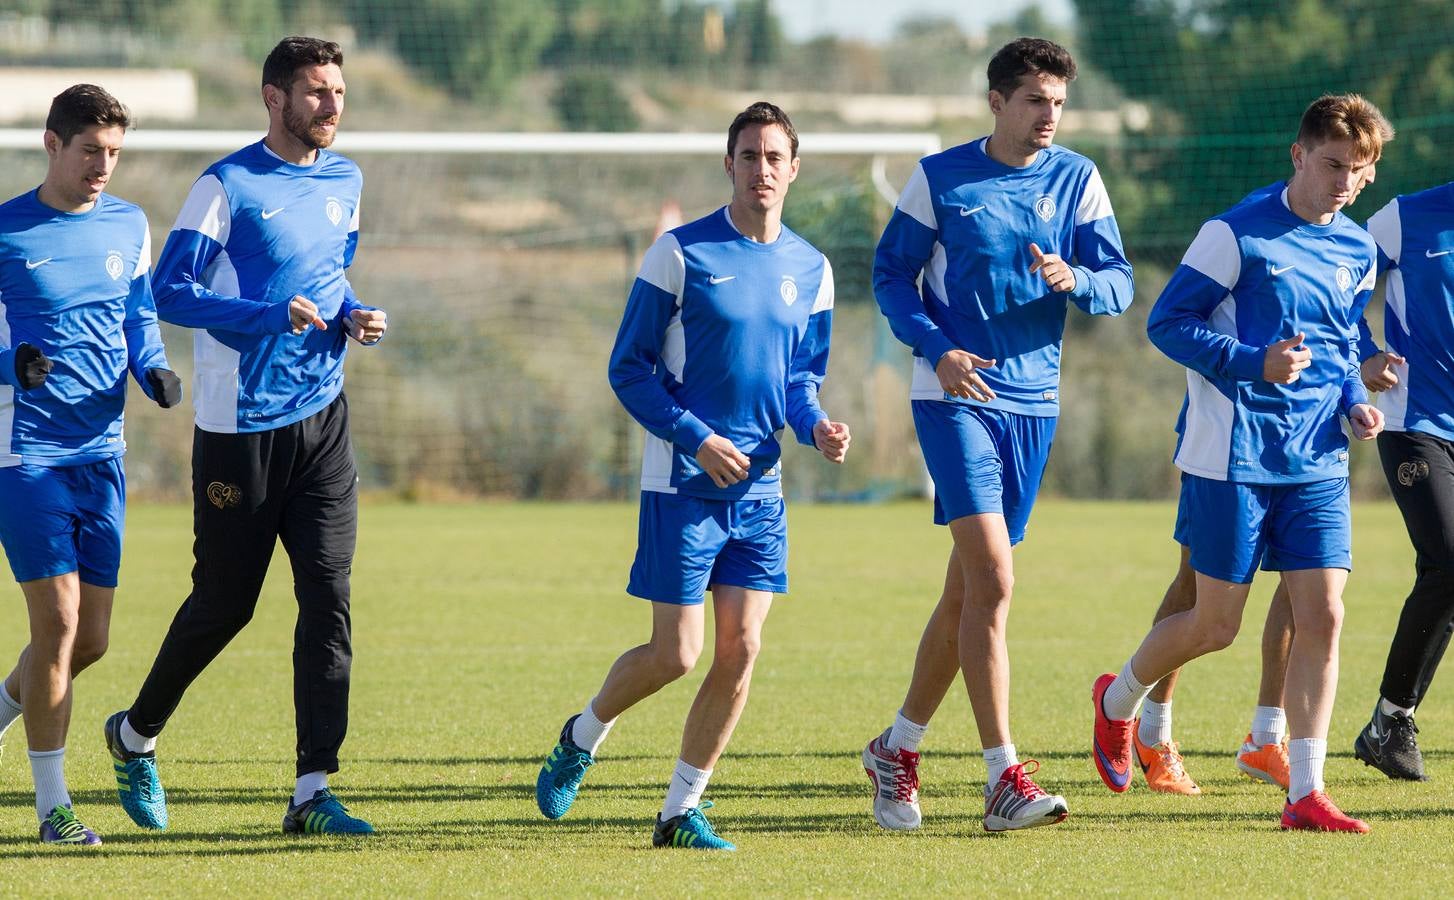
<point x="59" y="519"/>
<point x="983" y="460"/>
<point x="1232" y="527"/>
<point x="686" y="544"/>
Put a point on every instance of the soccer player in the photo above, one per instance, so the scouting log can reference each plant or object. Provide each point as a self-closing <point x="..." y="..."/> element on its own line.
<point x="76" y="315"/>
<point x="1263" y="312"/>
<point x="1415" y="236"/>
<point x="1006" y="231"/>
<point x="1263" y="754"/>
<point x="256" y="262"/>
<point x="723" y="343"/>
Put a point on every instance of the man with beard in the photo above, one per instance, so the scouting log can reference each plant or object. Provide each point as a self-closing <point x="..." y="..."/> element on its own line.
<point x="256" y="262"/>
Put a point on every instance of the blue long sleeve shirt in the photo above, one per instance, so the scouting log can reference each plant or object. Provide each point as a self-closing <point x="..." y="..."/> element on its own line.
<point x="1255" y="275"/>
<point x="1415" y="236"/>
<point x="255" y="231"/>
<point x="78" y="287"/>
<point x="723" y="335"/>
<point x="965" y="222"/>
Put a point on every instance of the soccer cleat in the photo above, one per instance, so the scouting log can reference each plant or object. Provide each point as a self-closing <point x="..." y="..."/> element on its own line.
<point x="560" y="776"/>
<point x="690" y="830"/>
<point x="1388" y="744"/>
<point x="137" y="784"/>
<point x="1316" y="812"/>
<point x="1110" y="741"/>
<point x="62" y="827"/>
<point x="323" y="814"/>
<point x="1163" y="767"/>
<point x="1266" y="763"/>
<point x="1017" y="802"/>
<point x="895" y="777"/>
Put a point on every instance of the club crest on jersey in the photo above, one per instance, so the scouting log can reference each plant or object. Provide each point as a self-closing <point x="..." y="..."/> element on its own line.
<point x="114" y="265"/>
<point x="334" y="210"/>
<point x="1344" y="277"/>
<point x="788" y="290"/>
<point x="1045" y="208"/>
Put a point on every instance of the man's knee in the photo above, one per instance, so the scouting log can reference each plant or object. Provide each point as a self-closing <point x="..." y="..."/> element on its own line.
<point x="88" y="650"/>
<point x="674" y="658"/>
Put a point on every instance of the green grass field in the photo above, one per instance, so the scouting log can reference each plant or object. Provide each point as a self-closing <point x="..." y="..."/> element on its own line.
<point x="478" y="629"/>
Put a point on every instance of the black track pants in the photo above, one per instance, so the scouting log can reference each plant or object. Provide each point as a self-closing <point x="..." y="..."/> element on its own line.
<point x="296" y="483"/>
<point x="1420" y="472"/>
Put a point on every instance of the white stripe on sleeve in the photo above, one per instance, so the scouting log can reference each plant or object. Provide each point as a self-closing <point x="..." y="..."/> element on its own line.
<point x="916" y="202"/>
<point x="1095" y="203"/>
<point x="1215" y="254"/>
<point x="664" y="266"/>
<point x="206" y="210"/>
<point x="824" y="300"/>
<point x="1387" y="229"/>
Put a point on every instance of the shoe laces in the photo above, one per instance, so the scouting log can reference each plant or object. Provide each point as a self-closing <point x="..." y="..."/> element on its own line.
<point x="1020" y="781"/>
<point x="1170" y="754"/>
<point x="63" y="820"/>
<point x="574" y="763"/>
<point x="699" y="821"/>
<point x="1399" y="735"/>
<point x="906" y="779"/>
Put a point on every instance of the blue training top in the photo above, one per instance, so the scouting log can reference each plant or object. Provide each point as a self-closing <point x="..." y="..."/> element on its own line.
<point x="966" y="222"/>
<point x="723" y="335"/>
<point x="77" y="286"/>
<point x="254" y="232"/>
<point x="1255" y="275"/>
<point x="1415" y="235"/>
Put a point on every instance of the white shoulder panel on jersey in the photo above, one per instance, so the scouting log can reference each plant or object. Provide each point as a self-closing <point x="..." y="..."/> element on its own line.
<point x="1368" y="280"/>
<point x="1386" y="227"/>
<point x="824" y="300"/>
<point x="143" y="260"/>
<point x="1095" y="203"/>
<point x="915" y="201"/>
<point x="206" y="210"/>
<point x="353" y="222"/>
<point x="664" y="266"/>
<point x="1215" y="254"/>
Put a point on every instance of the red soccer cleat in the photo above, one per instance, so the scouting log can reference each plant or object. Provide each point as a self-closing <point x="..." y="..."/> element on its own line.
<point x="1316" y="812"/>
<point x="1111" y="741"/>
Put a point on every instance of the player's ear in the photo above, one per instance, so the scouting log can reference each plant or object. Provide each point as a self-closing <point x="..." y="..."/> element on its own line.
<point x="727" y="166"/>
<point x="793" y="169"/>
<point x="272" y="97"/>
<point x="997" y="102"/>
<point x="52" y="143"/>
<point x="1297" y="156"/>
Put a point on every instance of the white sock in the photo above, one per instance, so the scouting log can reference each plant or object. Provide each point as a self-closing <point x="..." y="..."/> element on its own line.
<point x="688" y="783"/>
<point x="1155" y="723"/>
<point x="134" y="742"/>
<point x="1120" y="699"/>
<point x="1269" y="724"/>
<point x="998" y="759"/>
<point x="9" y="709"/>
<point x="588" y="731"/>
<point x="1384" y="707"/>
<point x="309" y="783"/>
<point x="1305" y="766"/>
<point x="906" y="735"/>
<point x="47" y="767"/>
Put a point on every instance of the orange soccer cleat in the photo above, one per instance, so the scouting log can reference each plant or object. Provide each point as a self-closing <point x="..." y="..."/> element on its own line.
<point x="1266" y="763"/>
<point x="1163" y="767"/>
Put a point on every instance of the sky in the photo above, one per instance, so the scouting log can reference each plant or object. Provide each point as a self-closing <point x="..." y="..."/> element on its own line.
<point x="873" y="20"/>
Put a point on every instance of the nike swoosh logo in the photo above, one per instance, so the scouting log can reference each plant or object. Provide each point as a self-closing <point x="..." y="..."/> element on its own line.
<point x="1277" y="271"/>
<point x="720" y="279"/>
<point x="1119" y="779"/>
<point x="966" y="211"/>
<point x="38" y="263"/>
<point x="1431" y="254"/>
<point x="269" y="213"/>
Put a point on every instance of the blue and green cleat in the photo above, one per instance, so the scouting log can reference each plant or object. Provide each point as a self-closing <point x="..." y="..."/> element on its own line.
<point x="560" y="776"/>
<point x="137" y="783"/>
<point x="323" y="815"/>
<point x="690" y="830"/>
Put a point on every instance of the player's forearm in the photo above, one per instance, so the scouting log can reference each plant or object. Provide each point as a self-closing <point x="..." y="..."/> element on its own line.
<point x="189" y="304"/>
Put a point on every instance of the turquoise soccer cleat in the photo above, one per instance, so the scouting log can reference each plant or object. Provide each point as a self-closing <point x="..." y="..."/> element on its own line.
<point x="690" y="830"/>
<point x="560" y="776"/>
<point x="137" y="784"/>
<point x="323" y="815"/>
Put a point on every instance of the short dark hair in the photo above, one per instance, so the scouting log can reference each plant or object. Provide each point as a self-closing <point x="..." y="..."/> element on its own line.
<point x="82" y="105"/>
<point x="1028" y="56"/>
<point x="281" y="67"/>
<point x="761" y="113"/>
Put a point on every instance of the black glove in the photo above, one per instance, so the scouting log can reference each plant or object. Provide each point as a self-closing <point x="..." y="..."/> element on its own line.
<point x="31" y="366"/>
<point x="166" y="387"/>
